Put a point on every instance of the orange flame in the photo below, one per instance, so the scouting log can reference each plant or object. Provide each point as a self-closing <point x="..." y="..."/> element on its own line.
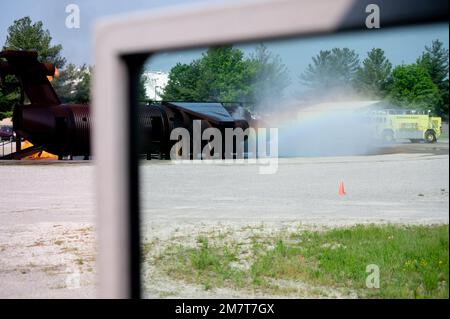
<point x="56" y="74"/>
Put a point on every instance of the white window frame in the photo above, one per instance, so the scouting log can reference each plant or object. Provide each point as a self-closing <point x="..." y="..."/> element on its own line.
<point x="185" y="27"/>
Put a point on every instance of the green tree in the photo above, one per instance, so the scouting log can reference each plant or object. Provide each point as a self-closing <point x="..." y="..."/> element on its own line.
<point x="221" y="74"/>
<point x="73" y="84"/>
<point x="435" y="61"/>
<point x="373" y="76"/>
<point x="412" y="87"/>
<point x="224" y="74"/>
<point x="83" y="87"/>
<point x="64" y="84"/>
<point x="23" y="34"/>
<point x="330" y="71"/>
<point x="9" y="95"/>
<point x="5" y="105"/>
<point x="182" y="84"/>
<point x="270" y="78"/>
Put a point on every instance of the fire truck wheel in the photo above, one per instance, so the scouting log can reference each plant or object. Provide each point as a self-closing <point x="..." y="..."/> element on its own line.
<point x="430" y="137"/>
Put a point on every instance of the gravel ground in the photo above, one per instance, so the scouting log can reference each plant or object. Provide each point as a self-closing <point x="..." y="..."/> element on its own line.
<point x="397" y="188"/>
<point x="400" y="188"/>
<point x="47" y="237"/>
<point x="47" y="220"/>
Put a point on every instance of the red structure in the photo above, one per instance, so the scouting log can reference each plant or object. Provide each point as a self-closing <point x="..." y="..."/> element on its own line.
<point x="64" y="129"/>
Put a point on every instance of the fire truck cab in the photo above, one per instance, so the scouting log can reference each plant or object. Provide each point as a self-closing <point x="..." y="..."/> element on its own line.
<point x="414" y="125"/>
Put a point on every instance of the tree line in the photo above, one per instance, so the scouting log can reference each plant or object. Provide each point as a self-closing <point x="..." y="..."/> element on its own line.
<point x="73" y="83"/>
<point x="226" y="74"/>
<point x="421" y="85"/>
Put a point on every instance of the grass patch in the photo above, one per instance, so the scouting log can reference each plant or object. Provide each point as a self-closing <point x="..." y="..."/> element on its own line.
<point x="412" y="260"/>
<point x="210" y="265"/>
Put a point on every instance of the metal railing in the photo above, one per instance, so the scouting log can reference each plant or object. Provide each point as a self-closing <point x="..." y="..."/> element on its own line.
<point x="7" y="147"/>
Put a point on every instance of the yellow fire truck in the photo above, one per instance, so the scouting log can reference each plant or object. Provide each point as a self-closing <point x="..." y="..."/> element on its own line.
<point x="414" y="125"/>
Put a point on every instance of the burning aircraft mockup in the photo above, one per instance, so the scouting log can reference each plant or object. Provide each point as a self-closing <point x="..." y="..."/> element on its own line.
<point x="64" y="129"/>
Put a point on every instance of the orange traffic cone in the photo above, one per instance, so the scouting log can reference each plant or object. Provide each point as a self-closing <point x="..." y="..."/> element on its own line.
<point x="341" y="189"/>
